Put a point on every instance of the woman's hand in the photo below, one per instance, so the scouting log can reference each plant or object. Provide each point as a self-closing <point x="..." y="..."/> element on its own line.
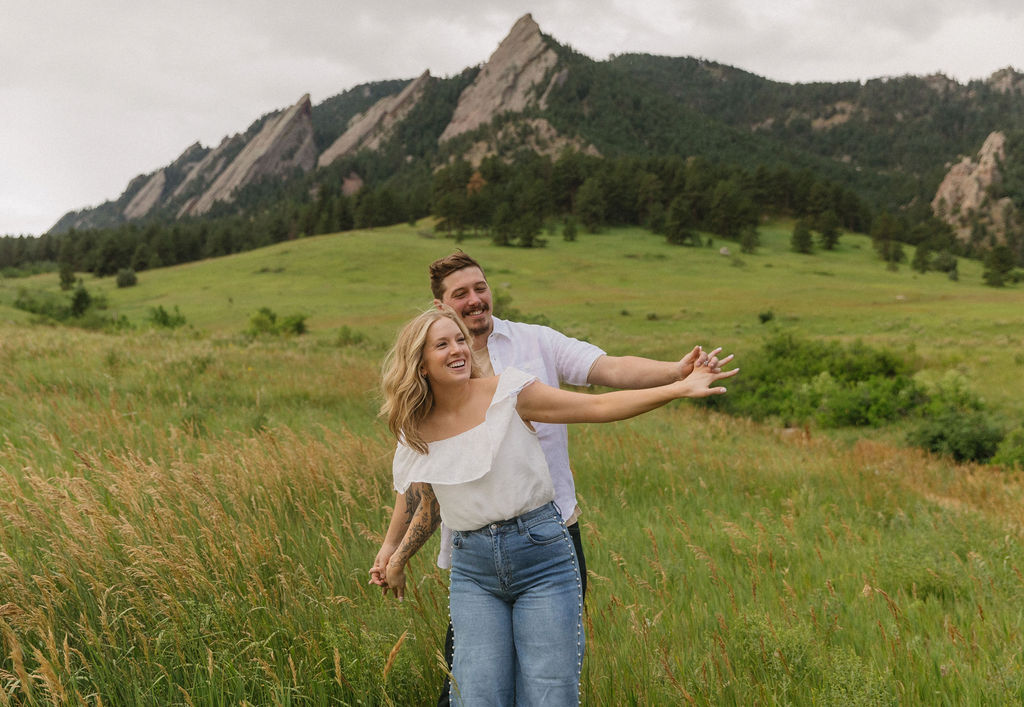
<point x="707" y="370"/>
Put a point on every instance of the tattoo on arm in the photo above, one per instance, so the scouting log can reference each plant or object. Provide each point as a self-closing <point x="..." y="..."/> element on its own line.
<point x="425" y="517"/>
<point x="412" y="501"/>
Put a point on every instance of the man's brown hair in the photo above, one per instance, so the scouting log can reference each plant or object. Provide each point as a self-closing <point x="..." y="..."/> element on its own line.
<point x="443" y="267"/>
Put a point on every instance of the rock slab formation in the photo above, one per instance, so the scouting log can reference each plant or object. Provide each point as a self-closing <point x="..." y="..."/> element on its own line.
<point x="963" y="195"/>
<point x="284" y="143"/>
<point x="370" y="129"/>
<point x="147" y="197"/>
<point x="507" y="81"/>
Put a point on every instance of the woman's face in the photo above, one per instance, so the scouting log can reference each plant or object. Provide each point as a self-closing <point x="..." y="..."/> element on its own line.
<point x="446" y="356"/>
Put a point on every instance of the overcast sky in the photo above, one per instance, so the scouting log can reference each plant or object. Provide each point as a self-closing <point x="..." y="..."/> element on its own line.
<point x="94" y="93"/>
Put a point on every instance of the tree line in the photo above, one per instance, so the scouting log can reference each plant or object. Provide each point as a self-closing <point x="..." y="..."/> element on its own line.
<point x="510" y="199"/>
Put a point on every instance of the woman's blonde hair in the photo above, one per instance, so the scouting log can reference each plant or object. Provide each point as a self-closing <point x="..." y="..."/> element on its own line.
<point x="407" y="394"/>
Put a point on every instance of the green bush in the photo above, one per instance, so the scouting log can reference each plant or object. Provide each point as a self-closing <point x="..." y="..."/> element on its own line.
<point x="1011" y="450"/>
<point x="953" y="422"/>
<point x="348" y="336"/>
<point x="293" y="324"/>
<point x="43" y="304"/>
<point x="158" y="316"/>
<point x="80" y="300"/>
<point x="799" y="381"/>
<point x="126" y="277"/>
<point x="962" y="435"/>
<point x="265" y="323"/>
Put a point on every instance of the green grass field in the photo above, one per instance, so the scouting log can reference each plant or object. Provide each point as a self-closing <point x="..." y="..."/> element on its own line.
<point x="188" y="517"/>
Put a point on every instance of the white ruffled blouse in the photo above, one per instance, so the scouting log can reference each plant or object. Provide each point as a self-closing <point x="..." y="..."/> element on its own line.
<point x="491" y="472"/>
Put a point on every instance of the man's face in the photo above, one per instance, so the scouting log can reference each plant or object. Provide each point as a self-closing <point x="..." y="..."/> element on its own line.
<point x="466" y="292"/>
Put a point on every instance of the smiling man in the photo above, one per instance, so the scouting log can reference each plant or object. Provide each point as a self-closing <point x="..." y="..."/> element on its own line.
<point x="554" y="358"/>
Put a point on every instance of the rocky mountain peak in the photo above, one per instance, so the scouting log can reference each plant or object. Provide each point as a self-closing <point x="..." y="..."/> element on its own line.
<point x="507" y="82"/>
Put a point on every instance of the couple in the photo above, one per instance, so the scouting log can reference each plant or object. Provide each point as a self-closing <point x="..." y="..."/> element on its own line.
<point x="488" y="456"/>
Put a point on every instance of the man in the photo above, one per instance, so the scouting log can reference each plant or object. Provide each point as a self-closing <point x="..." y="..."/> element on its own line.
<point x="459" y="282"/>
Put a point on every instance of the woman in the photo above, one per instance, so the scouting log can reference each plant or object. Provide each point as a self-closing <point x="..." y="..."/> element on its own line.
<point x="466" y="449"/>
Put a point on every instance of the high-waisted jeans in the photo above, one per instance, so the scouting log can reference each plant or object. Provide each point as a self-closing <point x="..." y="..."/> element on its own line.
<point x="517" y="611"/>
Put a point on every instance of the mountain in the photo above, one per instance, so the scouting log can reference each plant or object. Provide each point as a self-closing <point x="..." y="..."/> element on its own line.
<point x="891" y="140"/>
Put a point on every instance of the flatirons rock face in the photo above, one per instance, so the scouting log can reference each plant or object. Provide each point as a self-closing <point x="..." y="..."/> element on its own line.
<point x="284" y="143"/>
<point x="963" y="194"/>
<point x="507" y="82"/>
<point x="147" y="197"/>
<point x="200" y="177"/>
<point x="200" y="173"/>
<point x="371" y="129"/>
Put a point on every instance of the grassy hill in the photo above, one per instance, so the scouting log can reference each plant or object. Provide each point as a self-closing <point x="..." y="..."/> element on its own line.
<point x="624" y="289"/>
<point x="189" y="515"/>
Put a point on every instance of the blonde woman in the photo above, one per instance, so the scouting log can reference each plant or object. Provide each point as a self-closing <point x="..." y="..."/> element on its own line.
<point x="467" y="452"/>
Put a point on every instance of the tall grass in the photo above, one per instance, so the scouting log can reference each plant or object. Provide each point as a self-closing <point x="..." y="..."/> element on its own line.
<point x="188" y="517"/>
<point x="149" y="559"/>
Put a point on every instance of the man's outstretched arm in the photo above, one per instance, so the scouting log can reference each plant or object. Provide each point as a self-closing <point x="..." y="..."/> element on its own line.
<point x="631" y="372"/>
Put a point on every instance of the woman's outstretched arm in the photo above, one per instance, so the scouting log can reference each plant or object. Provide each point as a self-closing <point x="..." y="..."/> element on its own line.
<point x="542" y="403"/>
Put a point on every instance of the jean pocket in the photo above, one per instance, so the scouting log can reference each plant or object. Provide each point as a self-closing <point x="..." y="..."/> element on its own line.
<point x="456" y="540"/>
<point x="546" y="532"/>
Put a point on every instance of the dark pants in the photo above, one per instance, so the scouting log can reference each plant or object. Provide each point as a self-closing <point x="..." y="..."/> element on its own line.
<point x="449" y="639"/>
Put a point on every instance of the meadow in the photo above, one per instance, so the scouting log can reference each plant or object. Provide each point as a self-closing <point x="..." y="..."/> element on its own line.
<point x="188" y="516"/>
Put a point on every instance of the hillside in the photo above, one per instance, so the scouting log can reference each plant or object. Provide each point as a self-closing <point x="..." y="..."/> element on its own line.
<point x="654" y="297"/>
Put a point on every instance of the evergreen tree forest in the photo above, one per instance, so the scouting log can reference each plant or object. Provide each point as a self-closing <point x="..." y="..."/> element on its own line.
<point x="508" y="200"/>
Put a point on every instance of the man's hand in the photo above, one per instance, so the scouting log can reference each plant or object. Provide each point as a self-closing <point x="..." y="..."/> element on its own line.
<point x="380" y="563"/>
<point x="687" y="362"/>
<point x="394" y="579"/>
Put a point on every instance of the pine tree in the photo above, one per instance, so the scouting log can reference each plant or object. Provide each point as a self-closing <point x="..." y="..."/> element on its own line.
<point x="998" y="265"/>
<point x="801" y="240"/>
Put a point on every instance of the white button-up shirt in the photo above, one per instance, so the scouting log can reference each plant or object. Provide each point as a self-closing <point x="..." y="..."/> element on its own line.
<point x="555" y="359"/>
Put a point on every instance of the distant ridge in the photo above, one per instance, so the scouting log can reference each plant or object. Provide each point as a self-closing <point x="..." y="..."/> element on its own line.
<point x="890" y="139"/>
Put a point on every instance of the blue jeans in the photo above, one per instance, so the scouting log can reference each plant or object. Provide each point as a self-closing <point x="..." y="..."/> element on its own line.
<point x="517" y="611"/>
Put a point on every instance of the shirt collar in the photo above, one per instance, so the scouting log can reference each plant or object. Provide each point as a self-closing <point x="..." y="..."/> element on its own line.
<point x="500" y="328"/>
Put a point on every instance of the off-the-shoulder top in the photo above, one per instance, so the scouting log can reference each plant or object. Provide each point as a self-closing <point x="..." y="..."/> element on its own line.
<point x="491" y="472"/>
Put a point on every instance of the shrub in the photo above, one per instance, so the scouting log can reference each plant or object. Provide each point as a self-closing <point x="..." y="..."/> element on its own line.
<point x="265" y="322"/>
<point x="965" y="436"/>
<point x="1011" y="450"/>
<point x="349" y="337"/>
<point x="800" y="381"/>
<point x="293" y="324"/>
<point x="158" y="316"/>
<point x="42" y="304"/>
<point x="67" y="276"/>
<point x="126" y="277"/>
<point x="80" y="300"/>
<point x="569" y="230"/>
<point x="749" y="240"/>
